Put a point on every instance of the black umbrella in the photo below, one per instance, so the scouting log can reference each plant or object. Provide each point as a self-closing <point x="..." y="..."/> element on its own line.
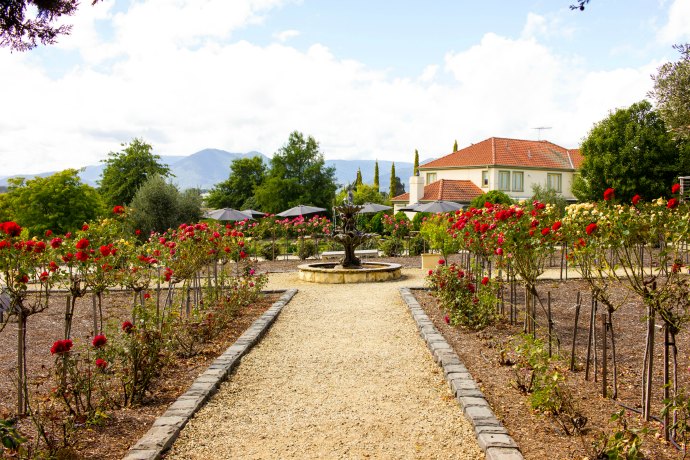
<point x="253" y="213"/>
<point x="300" y="210"/>
<point x="370" y="208"/>
<point x="437" y="206"/>
<point x="227" y="214"/>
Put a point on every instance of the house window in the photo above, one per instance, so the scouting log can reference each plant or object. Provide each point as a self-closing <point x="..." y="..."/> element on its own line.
<point x="430" y="177"/>
<point x="485" y="178"/>
<point x="553" y="182"/>
<point x="518" y="181"/>
<point x="504" y="180"/>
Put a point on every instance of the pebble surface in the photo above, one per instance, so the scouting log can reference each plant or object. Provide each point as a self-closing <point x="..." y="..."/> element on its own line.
<point x="341" y="374"/>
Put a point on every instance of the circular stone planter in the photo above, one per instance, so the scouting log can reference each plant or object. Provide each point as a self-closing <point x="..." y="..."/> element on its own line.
<point x="327" y="273"/>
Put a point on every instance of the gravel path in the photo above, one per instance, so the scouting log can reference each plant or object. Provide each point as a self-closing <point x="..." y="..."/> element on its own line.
<point x="341" y="374"/>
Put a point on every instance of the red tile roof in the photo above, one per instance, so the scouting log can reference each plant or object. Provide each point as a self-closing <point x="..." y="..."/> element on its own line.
<point x="498" y="151"/>
<point x="461" y="191"/>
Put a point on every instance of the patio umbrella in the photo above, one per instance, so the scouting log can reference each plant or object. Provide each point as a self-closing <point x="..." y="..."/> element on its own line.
<point x="227" y="214"/>
<point x="437" y="206"/>
<point x="370" y="208"/>
<point x="253" y="213"/>
<point x="410" y="207"/>
<point x="300" y="210"/>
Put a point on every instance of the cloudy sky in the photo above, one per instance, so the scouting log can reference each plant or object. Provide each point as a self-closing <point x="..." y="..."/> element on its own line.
<point x="367" y="78"/>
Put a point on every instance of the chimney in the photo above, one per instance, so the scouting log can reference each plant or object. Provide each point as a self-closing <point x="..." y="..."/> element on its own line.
<point x="416" y="188"/>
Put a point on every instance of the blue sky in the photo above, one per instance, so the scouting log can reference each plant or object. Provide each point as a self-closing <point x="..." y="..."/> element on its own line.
<point x="368" y="79"/>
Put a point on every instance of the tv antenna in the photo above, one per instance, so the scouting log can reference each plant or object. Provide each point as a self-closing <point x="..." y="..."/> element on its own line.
<point x="539" y="130"/>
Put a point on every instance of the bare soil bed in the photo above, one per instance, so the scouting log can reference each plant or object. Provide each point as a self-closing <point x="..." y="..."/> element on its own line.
<point x="124" y="426"/>
<point x="538" y="435"/>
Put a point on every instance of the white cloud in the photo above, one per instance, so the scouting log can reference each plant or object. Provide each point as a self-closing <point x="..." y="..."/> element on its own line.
<point x="239" y="96"/>
<point x="677" y="29"/>
<point x="286" y="35"/>
<point x="537" y="26"/>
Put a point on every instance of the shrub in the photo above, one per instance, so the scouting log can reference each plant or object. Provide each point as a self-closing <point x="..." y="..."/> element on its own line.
<point x="307" y="248"/>
<point x="417" y="245"/>
<point x="391" y="247"/>
<point x="269" y="251"/>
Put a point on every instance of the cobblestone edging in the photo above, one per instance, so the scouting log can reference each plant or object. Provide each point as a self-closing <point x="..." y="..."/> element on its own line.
<point x="167" y="427"/>
<point x="492" y="437"/>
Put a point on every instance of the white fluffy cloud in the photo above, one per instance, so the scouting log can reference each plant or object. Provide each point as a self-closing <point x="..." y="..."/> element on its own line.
<point x="677" y="29"/>
<point x="184" y="87"/>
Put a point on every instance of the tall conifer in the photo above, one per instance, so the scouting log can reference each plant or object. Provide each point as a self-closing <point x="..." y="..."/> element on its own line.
<point x="376" y="175"/>
<point x="391" y="190"/>
<point x="415" y="170"/>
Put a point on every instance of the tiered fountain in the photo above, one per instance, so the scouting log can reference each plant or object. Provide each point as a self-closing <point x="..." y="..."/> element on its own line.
<point x="350" y="269"/>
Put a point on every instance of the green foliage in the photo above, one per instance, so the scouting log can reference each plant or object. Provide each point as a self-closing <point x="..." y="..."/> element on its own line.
<point x="60" y="202"/>
<point x="672" y="93"/>
<point x="363" y="193"/>
<point x="392" y="247"/>
<point x="549" y="196"/>
<point x="436" y="230"/>
<point x="623" y="444"/>
<point x="269" y="250"/>
<point x="306" y="249"/>
<point x="630" y="151"/>
<point x="126" y="171"/>
<point x="375" y="224"/>
<point x="358" y="179"/>
<point x="392" y="186"/>
<point x="10" y="438"/>
<point x="417" y="245"/>
<point x="377" y="186"/>
<point x="246" y="174"/>
<point x="158" y="206"/>
<point x="493" y="197"/>
<point x="415" y="168"/>
<point x="298" y="175"/>
<point x="418" y="219"/>
<point x="677" y="408"/>
<point x="455" y="146"/>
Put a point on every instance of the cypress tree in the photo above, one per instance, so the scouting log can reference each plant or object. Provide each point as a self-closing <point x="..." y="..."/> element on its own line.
<point x="415" y="171"/>
<point x="391" y="190"/>
<point x="455" y="146"/>
<point x="376" y="175"/>
<point x="358" y="181"/>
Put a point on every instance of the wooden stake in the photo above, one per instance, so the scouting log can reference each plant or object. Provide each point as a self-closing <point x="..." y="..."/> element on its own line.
<point x="603" y="355"/>
<point x="577" y="316"/>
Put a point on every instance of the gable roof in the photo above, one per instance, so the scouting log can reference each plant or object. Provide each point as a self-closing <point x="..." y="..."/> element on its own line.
<point x="461" y="191"/>
<point x="499" y="151"/>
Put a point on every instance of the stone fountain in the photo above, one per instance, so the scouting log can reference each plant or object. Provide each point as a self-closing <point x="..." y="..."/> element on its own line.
<point x="350" y="269"/>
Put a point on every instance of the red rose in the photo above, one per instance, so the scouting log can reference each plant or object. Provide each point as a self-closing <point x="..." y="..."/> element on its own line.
<point x="556" y="225"/>
<point x="11" y="228"/>
<point x="431" y="272"/>
<point x="49" y="233"/>
<point x="105" y="251"/>
<point x="608" y="194"/>
<point x="499" y="251"/>
<point x="99" y="341"/>
<point x="485" y="280"/>
<point x="118" y="209"/>
<point x="43" y="277"/>
<point x="39" y="247"/>
<point x="4" y="244"/>
<point x="82" y="256"/>
<point x="101" y="363"/>
<point x="168" y="273"/>
<point x="61" y="346"/>
<point x="471" y="288"/>
<point x="675" y="189"/>
<point x="545" y="231"/>
<point x="672" y="203"/>
<point x="22" y="278"/>
<point x="446" y="319"/>
<point x="147" y="296"/>
<point x="636" y="199"/>
<point x="591" y="228"/>
<point x="127" y="327"/>
<point x="55" y="242"/>
<point x="137" y="232"/>
<point x="243" y="254"/>
<point x="82" y="243"/>
<point x="53" y="266"/>
<point x="85" y="227"/>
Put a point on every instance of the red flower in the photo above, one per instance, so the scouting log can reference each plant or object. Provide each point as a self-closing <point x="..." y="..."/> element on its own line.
<point x="441" y="262"/>
<point x="672" y="203"/>
<point x="4" y="244"/>
<point x="101" y="363"/>
<point x="85" y="227"/>
<point x="61" y="346"/>
<point x="147" y="296"/>
<point x="22" y="278"/>
<point x="43" y="277"/>
<point x="471" y="288"/>
<point x="608" y="194"/>
<point x="591" y="228"/>
<point x="499" y="251"/>
<point x="11" y="228"/>
<point x="675" y="189"/>
<point x="82" y="256"/>
<point x="556" y="225"/>
<point x="82" y="243"/>
<point x="636" y="199"/>
<point x="431" y="272"/>
<point x="545" y="231"/>
<point x="243" y="254"/>
<point x="105" y="250"/>
<point x="127" y="327"/>
<point x="118" y="209"/>
<point x="485" y="281"/>
<point x="99" y="341"/>
<point x="56" y="243"/>
<point x="39" y="247"/>
<point x="168" y="273"/>
<point x="446" y="319"/>
<point x="137" y="232"/>
<point x="53" y="266"/>
<point x="49" y="233"/>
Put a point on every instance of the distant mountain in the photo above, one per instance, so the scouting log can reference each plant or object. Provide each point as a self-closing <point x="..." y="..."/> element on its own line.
<point x="208" y="167"/>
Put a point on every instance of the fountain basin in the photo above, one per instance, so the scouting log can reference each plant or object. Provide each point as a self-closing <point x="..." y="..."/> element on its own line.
<point x="331" y="273"/>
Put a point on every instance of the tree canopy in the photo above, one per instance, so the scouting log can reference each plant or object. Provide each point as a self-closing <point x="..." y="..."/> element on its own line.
<point x="60" y="202"/>
<point x="297" y="175"/>
<point x="246" y="174"/>
<point x="363" y="193"/>
<point x="129" y="169"/>
<point x="632" y="152"/>
<point x="493" y="197"/>
<point x="376" y="175"/>
<point x="672" y="93"/>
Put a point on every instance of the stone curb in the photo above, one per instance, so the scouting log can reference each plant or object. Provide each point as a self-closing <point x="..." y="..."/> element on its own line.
<point x="492" y="437"/>
<point x="168" y="426"/>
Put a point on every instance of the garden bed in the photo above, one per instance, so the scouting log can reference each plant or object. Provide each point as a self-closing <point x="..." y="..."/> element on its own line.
<point x="123" y="427"/>
<point x="538" y="435"/>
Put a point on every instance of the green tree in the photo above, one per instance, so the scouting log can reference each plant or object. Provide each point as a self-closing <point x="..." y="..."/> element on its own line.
<point x="672" y="92"/>
<point x="392" y="187"/>
<point x="493" y="197"/>
<point x="128" y="170"/>
<point x="415" y="169"/>
<point x="158" y="206"/>
<point x="363" y="193"/>
<point x="549" y="196"/>
<point x="358" y="180"/>
<point x="61" y="202"/>
<point x="297" y="175"/>
<point x="376" y="175"/>
<point x="632" y="152"/>
<point x="246" y="174"/>
<point x="455" y="146"/>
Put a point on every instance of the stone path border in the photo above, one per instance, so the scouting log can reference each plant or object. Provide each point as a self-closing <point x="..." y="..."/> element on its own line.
<point x="492" y="437"/>
<point x="167" y="427"/>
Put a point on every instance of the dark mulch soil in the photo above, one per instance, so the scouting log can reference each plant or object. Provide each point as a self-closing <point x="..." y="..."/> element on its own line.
<point x="124" y="426"/>
<point x="538" y="435"/>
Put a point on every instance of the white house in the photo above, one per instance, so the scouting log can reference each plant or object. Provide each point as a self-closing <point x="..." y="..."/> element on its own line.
<point x="509" y="165"/>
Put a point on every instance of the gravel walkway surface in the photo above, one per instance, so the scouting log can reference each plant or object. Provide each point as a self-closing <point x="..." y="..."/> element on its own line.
<point x="341" y="374"/>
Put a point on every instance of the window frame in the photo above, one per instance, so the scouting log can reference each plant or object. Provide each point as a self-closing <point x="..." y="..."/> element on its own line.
<point x="501" y="175"/>
<point x="485" y="178"/>
<point x="429" y="175"/>
<point x="549" y="182"/>
<point x="521" y="175"/>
